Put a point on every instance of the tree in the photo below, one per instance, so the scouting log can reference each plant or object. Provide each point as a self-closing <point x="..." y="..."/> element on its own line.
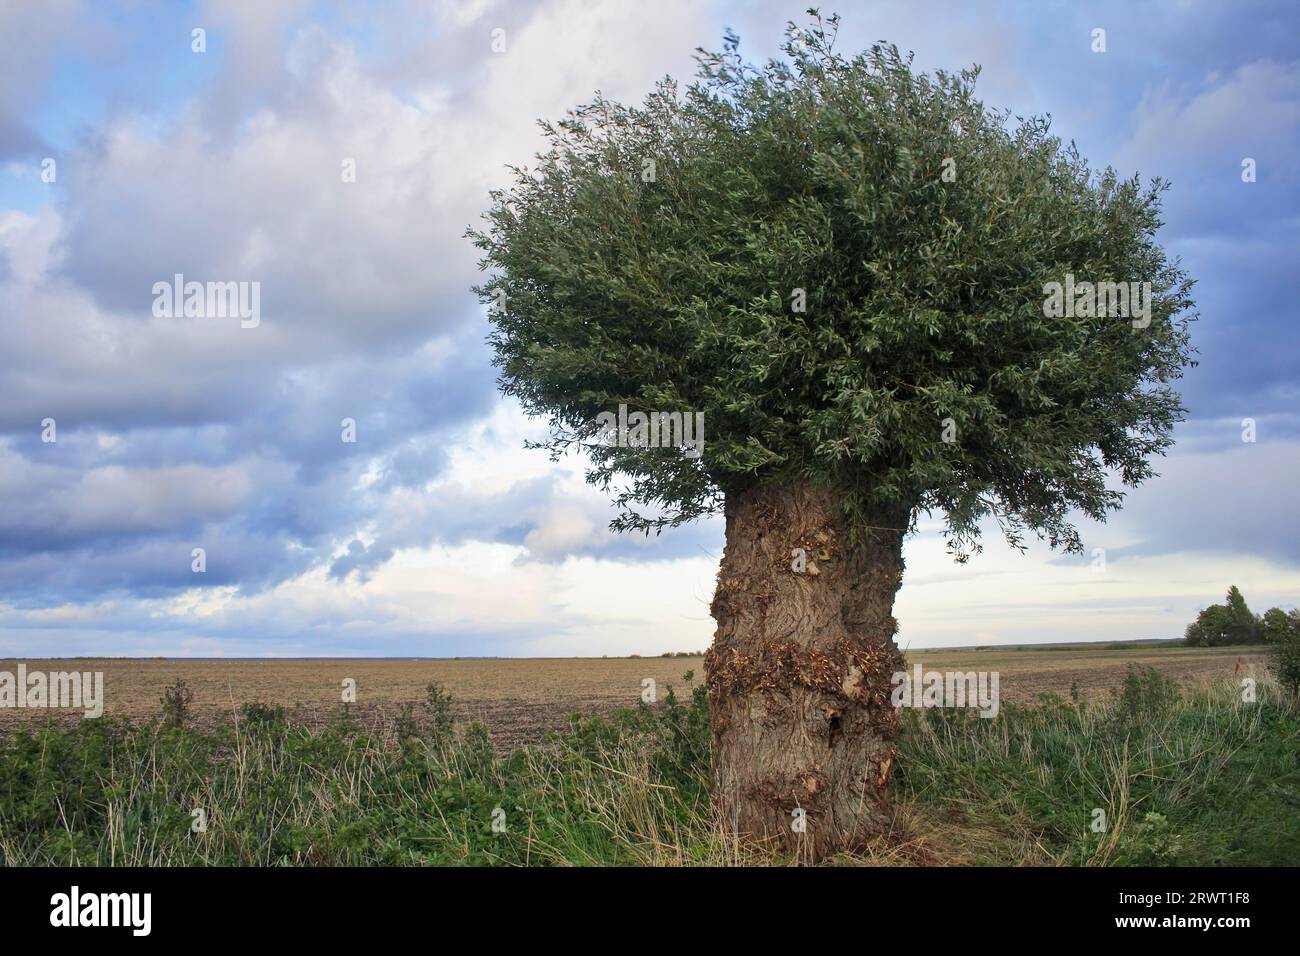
<point x="1211" y="627"/>
<point x="1229" y="623"/>
<point x="1278" y="625"/>
<point x="1244" y="627"/>
<point x="1286" y="655"/>
<point x="842" y="264"/>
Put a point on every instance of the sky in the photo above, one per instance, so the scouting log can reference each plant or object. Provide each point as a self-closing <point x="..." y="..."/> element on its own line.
<point x="128" y="156"/>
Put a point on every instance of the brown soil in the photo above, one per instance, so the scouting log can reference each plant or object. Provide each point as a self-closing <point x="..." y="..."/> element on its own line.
<point x="519" y="699"/>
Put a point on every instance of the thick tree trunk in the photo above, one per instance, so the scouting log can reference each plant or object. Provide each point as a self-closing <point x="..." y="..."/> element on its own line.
<point x="799" y="672"/>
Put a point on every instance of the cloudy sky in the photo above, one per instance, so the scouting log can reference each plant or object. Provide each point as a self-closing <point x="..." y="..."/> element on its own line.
<point x="435" y="532"/>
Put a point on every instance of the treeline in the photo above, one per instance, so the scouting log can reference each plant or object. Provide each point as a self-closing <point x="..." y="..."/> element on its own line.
<point x="1233" y="623"/>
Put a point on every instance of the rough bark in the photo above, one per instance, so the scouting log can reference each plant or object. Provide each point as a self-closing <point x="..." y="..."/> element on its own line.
<point x="799" y="672"/>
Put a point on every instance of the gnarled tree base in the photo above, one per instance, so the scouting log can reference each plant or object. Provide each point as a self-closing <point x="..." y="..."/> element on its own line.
<point x="799" y="672"/>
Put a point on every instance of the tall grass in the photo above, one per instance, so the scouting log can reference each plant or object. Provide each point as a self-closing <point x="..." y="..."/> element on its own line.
<point x="1198" y="778"/>
<point x="1153" y="776"/>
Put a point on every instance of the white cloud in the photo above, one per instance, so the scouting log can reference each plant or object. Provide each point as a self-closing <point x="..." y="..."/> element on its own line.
<point x="467" y="540"/>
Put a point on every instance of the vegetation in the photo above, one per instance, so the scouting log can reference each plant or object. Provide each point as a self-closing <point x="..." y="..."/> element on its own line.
<point x="1286" y="655"/>
<point x="778" y="247"/>
<point x="1187" y="779"/>
<point x="176" y="701"/>
<point x="1277" y="625"/>
<point x="1228" y="623"/>
<point x="1193" y="779"/>
<point x="1232" y="622"/>
<point x="837" y="268"/>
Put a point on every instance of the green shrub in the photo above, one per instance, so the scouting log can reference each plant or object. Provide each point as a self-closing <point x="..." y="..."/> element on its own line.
<point x="437" y="706"/>
<point x="1145" y="694"/>
<point x="1286" y="661"/>
<point x="175" y="702"/>
<point x="256" y="716"/>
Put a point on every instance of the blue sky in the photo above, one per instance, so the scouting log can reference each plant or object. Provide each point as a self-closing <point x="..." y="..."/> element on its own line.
<point x="436" y="533"/>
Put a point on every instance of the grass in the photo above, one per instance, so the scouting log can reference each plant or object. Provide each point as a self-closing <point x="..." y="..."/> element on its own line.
<point x="1189" y="779"/>
<point x="1184" y="778"/>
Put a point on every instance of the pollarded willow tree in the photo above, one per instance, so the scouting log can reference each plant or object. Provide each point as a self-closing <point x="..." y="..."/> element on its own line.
<point x="844" y="265"/>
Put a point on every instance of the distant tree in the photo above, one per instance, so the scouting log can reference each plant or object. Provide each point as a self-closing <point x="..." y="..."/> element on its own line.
<point x="841" y="264"/>
<point x="1286" y="656"/>
<point x="1222" y="624"/>
<point x="1278" y="624"/>
<point x="1210" y="629"/>
<point x="1246" y="628"/>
